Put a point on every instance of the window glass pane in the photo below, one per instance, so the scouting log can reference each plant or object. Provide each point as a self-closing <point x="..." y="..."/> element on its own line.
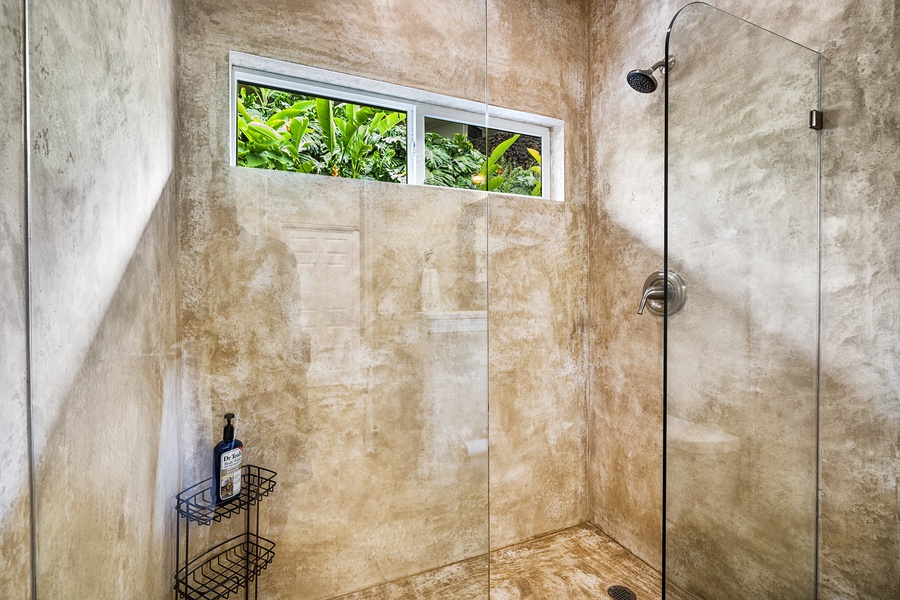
<point x="514" y="164"/>
<point x="450" y="158"/>
<point x="289" y="131"/>
<point x="456" y="156"/>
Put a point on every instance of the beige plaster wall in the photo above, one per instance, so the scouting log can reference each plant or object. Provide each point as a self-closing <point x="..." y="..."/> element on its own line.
<point x="103" y="268"/>
<point x="376" y="478"/>
<point x="538" y="444"/>
<point x="859" y="417"/>
<point x="625" y="366"/>
<point x="15" y="553"/>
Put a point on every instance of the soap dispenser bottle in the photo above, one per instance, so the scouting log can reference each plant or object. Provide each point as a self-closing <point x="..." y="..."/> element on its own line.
<point x="227" y="464"/>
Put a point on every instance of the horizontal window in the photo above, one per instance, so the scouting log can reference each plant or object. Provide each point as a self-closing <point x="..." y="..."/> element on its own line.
<point x="288" y="131"/>
<point x="293" y="118"/>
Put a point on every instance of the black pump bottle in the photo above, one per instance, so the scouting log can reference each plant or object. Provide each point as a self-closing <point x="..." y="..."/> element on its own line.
<point x="227" y="458"/>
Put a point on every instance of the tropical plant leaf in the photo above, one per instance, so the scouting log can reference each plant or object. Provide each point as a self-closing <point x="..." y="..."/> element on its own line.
<point x="537" y="189"/>
<point x="390" y="119"/>
<point x="298" y="127"/>
<point x="303" y="105"/>
<point x="325" y="113"/>
<point x="282" y="116"/>
<point x="498" y="152"/>
<point x="242" y="110"/>
<point x="373" y="126"/>
<point x="492" y="166"/>
<point x="265" y="130"/>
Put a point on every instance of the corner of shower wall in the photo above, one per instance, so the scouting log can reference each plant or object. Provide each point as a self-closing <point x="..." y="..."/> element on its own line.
<point x="858" y="383"/>
<point x="625" y="402"/>
<point x="537" y="62"/>
<point x="231" y="217"/>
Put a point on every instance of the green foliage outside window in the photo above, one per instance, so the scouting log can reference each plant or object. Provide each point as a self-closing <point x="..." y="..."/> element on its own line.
<point x="451" y="162"/>
<point x="291" y="132"/>
<point x="287" y="131"/>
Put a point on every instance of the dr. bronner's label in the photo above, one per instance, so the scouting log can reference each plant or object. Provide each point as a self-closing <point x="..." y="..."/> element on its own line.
<point x="230" y="474"/>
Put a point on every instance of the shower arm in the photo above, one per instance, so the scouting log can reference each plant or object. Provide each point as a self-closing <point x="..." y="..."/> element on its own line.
<point x="663" y="65"/>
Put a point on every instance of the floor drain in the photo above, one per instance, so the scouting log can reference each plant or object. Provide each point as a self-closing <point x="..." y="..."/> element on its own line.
<point x="620" y="592"/>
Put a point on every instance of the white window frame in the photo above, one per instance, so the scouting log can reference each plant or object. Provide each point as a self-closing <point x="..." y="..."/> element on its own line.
<point x="417" y="104"/>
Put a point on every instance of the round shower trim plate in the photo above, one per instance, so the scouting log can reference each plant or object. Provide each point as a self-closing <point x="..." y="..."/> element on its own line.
<point x="676" y="292"/>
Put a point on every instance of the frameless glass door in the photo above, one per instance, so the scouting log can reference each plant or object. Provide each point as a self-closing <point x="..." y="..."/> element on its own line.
<point x="741" y="356"/>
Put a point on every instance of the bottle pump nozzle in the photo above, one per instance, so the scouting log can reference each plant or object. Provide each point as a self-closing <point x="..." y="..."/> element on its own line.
<point x="228" y="433"/>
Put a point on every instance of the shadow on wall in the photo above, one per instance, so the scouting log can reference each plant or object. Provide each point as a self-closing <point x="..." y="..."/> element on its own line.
<point x="105" y="481"/>
<point x="744" y="512"/>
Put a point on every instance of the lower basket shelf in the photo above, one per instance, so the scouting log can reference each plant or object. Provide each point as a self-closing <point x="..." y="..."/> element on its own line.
<point x="225" y="568"/>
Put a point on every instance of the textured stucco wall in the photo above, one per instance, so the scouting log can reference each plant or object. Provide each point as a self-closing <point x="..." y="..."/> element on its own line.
<point x="369" y="492"/>
<point x="104" y="251"/>
<point x="860" y="378"/>
<point x="537" y="62"/>
<point x="859" y="412"/>
<point x="625" y="377"/>
<point x="538" y="444"/>
<point x="14" y="513"/>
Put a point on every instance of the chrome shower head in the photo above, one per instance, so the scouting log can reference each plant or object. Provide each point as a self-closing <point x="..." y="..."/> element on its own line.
<point x="643" y="81"/>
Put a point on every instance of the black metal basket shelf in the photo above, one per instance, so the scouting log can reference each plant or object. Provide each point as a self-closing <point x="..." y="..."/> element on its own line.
<point x="197" y="503"/>
<point x="225" y="568"/>
<point x="234" y="564"/>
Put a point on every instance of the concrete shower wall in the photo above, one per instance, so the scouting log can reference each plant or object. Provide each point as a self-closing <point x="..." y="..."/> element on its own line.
<point x="103" y="273"/>
<point x="368" y="493"/>
<point x="860" y="418"/>
<point x="368" y="436"/>
<point x="15" y="551"/>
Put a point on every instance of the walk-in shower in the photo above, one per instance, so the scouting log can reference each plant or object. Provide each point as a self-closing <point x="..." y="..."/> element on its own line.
<point x="445" y="391"/>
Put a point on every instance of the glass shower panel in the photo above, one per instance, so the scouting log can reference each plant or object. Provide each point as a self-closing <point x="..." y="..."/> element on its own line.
<point x="424" y="337"/>
<point x="741" y="389"/>
<point x="400" y="382"/>
<point x="386" y="475"/>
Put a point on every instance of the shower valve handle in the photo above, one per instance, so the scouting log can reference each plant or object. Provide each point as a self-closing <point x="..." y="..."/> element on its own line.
<point x="663" y="289"/>
<point x="654" y="292"/>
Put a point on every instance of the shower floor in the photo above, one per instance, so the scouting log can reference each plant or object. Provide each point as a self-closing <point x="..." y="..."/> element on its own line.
<point x="579" y="562"/>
